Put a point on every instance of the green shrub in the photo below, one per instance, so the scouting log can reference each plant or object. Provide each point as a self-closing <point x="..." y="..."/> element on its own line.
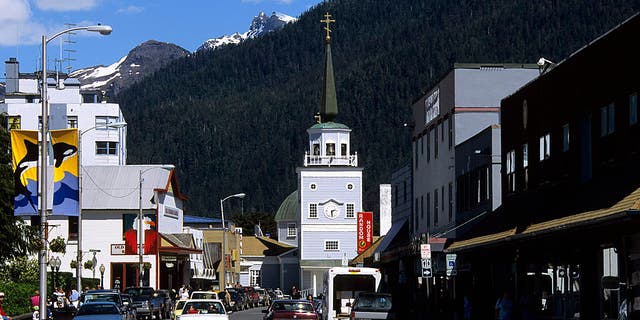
<point x="17" y="297"/>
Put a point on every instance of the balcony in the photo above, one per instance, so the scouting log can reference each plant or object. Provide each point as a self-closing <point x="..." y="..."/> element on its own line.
<point x="315" y="160"/>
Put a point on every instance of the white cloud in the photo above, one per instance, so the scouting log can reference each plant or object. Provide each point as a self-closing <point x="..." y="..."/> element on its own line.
<point x="66" y="5"/>
<point x="131" y="10"/>
<point x="16" y="26"/>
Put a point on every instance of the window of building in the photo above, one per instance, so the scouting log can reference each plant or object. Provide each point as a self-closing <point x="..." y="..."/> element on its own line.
<point x="40" y="121"/>
<point x="351" y="211"/>
<point x="106" y="147"/>
<point x="415" y="216"/>
<point x="72" y="121"/>
<point x="313" y="186"/>
<point x="607" y="120"/>
<point x="435" y="143"/>
<point x="428" y="148"/>
<point x="313" y="210"/>
<point x="350" y="186"/>
<point x="450" y="122"/>
<point x="316" y="149"/>
<point x="73" y="229"/>
<point x="633" y="109"/>
<point x="525" y="164"/>
<point x="103" y="122"/>
<point x="254" y="278"/>
<point x="443" y="203"/>
<point x="435" y="207"/>
<point x="331" y="149"/>
<point x="565" y="138"/>
<point x="415" y="149"/>
<point x="331" y="245"/>
<point x="525" y="114"/>
<point x="428" y="208"/>
<point x="343" y="149"/>
<point x="511" y="170"/>
<point x="422" y="207"/>
<point x="450" y="201"/>
<point x="15" y="122"/>
<point x="545" y="146"/>
<point x="291" y="231"/>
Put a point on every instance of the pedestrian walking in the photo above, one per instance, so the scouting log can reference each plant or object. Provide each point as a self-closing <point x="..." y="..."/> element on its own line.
<point x="504" y="307"/>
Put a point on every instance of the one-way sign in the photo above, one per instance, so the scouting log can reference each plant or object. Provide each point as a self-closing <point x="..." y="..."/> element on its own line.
<point x="426" y="273"/>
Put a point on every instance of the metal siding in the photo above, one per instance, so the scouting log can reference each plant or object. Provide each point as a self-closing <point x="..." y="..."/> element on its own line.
<point x="485" y="88"/>
<point x="314" y="245"/>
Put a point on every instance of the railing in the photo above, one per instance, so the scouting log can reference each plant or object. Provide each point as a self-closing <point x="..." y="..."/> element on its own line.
<point x="305" y="292"/>
<point x="315" y="160"/>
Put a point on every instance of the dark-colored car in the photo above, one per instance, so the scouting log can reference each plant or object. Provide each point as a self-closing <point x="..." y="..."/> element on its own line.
<point x="291" y="309"/>
<point x="109" y="296"/>
<point x="238" y="300"/>
<point x="372" y="305"/>
<point x="162" y="300"/>
<point x="99" y="310"/>
<point x="141" y="297"/>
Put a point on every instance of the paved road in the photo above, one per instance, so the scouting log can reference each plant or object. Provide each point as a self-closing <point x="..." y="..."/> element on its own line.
<point x="251" y="314"/>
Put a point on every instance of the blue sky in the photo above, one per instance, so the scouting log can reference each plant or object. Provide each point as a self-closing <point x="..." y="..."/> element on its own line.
<point x="187" y="23"/>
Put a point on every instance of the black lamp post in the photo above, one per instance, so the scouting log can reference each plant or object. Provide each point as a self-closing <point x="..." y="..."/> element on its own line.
<point x="102" y="276"/>
<point x="55" y="267"/>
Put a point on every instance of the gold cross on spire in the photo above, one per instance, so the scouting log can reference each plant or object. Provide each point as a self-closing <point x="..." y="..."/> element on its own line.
<point x="327" y="20"/>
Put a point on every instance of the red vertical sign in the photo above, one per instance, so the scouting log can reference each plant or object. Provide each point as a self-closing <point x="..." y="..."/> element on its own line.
<point x="365" y="230"/>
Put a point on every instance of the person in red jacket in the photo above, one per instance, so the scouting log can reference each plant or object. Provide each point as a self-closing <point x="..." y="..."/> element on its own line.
<point x="2" y="313"/>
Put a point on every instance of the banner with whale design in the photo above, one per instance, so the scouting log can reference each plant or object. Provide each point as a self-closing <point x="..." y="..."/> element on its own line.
<point x="24" y="154"/>
<point x="65" y="172"/>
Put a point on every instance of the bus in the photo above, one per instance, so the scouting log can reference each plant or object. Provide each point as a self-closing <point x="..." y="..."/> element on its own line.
<point x="342" y="285"/>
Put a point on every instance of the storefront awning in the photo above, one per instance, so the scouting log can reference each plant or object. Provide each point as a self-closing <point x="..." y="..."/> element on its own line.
<point x="390" y="237"/>
<point x="622" y="209"/>
<point x="178" y="243"/>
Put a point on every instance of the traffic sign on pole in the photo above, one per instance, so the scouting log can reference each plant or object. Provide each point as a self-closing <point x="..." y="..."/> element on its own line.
<point x="425" y="251"/>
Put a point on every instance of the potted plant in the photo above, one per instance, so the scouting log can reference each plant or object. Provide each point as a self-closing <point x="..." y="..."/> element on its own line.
<point x="58" y="245"/>
<point x="88" y="264"/>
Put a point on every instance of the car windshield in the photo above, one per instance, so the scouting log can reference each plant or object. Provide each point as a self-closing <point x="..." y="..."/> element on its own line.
<point x="140" y="291"/>
<point x="180" y="304"/>
<point x="89" y="309"/>
<point x="373" y="303"/>
<point x="100" y="297"/>
<point x="203" y="307"/>
<point x="293" y="306"/>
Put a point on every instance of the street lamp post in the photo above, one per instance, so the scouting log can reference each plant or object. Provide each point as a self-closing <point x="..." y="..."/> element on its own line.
<point x="42" y="181"/>
<point x="54" y="263"/>
<point x="141" y="225"/>
<point x="223" y="278"/>
<point x="115" y="125"/>
<point x="102" y="276"/>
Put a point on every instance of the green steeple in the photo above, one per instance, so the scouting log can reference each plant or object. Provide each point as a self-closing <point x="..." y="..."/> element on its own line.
<point x="329" y="106"/>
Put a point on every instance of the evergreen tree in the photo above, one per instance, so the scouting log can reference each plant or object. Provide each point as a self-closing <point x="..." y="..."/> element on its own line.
<point x="16" y="237"/>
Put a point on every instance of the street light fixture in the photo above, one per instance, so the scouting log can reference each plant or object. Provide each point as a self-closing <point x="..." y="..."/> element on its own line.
<point x="55" y="267"/>
<point x="223" y="279"/>
<point x="140" y="223"/>
<point x="44" y="148"/>
<point x="114" y="125"/>
<point x="102" y="276"/>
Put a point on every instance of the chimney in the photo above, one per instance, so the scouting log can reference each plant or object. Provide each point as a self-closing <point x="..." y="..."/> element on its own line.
<point x="385" y="208"/>
<point x="11" y="73"/>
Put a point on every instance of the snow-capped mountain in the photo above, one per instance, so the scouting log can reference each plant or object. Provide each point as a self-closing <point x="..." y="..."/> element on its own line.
<point x="141" y="61"/>
<point x="150" y="56"/>
<point x="261" y="24"/>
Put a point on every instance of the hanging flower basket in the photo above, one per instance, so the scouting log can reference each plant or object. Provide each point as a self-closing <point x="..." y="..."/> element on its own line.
<point x="146" y="265"/>
<point x="58" y="245"/>
<point x="73" y="264"/>
<point x="88" y="264"/>
<point x="36" y="245"/>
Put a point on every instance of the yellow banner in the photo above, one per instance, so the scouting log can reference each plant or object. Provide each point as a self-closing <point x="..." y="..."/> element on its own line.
<point x="65" y="172"/>
<point x="24" y="154"/>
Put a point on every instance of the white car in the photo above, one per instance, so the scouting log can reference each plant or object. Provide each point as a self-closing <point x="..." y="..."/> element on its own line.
<point x="203" y="309"/>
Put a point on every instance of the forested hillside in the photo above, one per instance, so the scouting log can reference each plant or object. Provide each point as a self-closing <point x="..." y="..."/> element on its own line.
<point x="235" y="119"/>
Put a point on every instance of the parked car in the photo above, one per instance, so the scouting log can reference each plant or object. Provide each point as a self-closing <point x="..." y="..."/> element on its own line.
<point x="238" y="300"/>
<point x="290" y="309"/>
<point x="372" y="305"/>
<point x="203" y="309"/>
<point x="177" y="309"/>
<point x="99" y="310"/>
<point x="162" y="300"/>
<point x="141" y="297"/>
